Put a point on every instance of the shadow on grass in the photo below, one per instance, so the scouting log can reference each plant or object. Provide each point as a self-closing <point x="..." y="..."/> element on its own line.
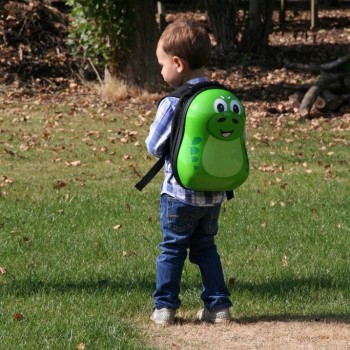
<point x="279" y="288"/>
<point x="287" y="288"/>
<point x="30" y="286"/>
<point x="291" y="285"/>
<point x="322" y="317"/>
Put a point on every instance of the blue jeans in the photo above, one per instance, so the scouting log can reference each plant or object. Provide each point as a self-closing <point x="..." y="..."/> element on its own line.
<point x="189" y="227"/>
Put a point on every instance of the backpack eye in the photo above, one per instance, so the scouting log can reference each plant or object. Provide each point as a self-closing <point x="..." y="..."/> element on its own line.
<point x="220" y="105"/>
<point x="235" y="107"/>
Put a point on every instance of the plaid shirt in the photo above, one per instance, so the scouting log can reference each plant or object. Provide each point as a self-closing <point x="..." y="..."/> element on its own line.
<point x="156" y="140"/>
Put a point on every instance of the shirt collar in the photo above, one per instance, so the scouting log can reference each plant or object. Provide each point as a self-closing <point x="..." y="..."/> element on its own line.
<point x="196" y="80"/>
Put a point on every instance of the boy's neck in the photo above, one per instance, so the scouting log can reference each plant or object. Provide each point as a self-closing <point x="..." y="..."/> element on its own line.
<point x="193" y="74"/>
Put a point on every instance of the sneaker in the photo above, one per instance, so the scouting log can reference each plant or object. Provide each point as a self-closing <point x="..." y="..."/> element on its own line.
<point x="214" y="316"/>
<point x="163" y="316"/>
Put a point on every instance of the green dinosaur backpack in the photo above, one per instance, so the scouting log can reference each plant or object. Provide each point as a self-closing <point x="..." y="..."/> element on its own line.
<point x="207" y="141"/>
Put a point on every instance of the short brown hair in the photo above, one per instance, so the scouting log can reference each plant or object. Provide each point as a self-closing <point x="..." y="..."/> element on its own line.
<point x="188" y="40"/>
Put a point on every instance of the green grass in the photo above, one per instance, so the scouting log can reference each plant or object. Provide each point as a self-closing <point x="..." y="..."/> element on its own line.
<point x="79" y="242"/>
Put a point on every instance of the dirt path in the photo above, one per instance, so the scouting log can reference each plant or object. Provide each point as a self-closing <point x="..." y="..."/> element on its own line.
<point x="260" y="335"/>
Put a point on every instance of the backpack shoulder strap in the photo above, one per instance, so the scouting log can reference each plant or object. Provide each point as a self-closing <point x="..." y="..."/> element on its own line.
<point x="179" y="92"/>
<point x="230" y="195"/>
<point x="182" y="92"/>
<point x="146" y="179"/>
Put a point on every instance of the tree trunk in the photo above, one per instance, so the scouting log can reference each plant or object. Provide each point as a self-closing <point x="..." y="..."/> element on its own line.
<point x="223" y="20"/>
<point x="137" y="64"/>
<point x="256" y="35"/>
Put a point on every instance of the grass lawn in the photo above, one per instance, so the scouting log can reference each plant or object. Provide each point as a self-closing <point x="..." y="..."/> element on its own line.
<point x="78" y="242"/>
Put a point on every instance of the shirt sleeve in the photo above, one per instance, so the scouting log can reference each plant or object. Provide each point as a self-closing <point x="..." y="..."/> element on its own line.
<point x="160" y="128"/>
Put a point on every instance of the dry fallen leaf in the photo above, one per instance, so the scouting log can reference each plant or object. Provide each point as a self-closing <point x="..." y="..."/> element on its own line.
<point x="81" y="346"/>
<point x="74" y="163"/>
<point x="4" y="181"/>
<point x="284" y="186"/>
<point x="231" y="281"/>
<point x="25" y="147"/>
<point x="2" y="270"/>
<point x="24" y="240"/>
<point x="18" y="316"/>
<point x="129" y="253"/>
<point x="59" y="184"/>
<point x="133" y="167"/>
<point x="273" y="168"/>
<point x="117" y="227"/>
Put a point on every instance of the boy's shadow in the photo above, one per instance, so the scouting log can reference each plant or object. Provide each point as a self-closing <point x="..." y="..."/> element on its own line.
<point x="283" y="289"/>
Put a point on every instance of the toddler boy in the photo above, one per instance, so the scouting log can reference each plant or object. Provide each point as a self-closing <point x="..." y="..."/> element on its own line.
<point x="188" y="219"/>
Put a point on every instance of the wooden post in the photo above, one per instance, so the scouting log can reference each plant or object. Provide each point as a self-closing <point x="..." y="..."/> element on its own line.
<point x="282" y="17"/>
<point x="314" y="14"/>
<point x="161" y="15"/>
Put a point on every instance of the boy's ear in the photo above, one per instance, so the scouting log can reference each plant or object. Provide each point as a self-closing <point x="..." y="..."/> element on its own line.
<point x="179" y="62"/>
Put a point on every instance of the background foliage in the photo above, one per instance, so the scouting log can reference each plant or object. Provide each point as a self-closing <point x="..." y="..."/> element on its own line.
<point x="99" y="29"/>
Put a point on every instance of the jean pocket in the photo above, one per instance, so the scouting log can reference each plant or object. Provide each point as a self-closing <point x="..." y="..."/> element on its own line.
<point x="180" y="217"/>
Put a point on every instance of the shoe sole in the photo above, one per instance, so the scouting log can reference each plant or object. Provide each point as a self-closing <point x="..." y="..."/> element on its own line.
<point x="218" y="320"/>
<point x="162" y="323"/>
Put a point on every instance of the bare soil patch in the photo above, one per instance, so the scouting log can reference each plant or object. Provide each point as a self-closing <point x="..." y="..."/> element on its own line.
<point x="259" y="335"/>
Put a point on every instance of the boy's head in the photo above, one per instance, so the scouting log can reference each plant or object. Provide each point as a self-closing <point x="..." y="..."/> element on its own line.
<point x="183" y="46"/>
<point x="187" y="40"/>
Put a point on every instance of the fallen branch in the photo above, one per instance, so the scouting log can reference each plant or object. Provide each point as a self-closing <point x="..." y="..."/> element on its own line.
<point x="311" y="95"/>
<point x="96" y="72"/>
<point x="334" y="77"/>
<point x="331" y="102"/>
<point x="312" y="68"/>
<point x="295" y="99"/>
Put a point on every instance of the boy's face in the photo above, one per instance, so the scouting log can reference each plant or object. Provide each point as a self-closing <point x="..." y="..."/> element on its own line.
<point x="172" y="67"/>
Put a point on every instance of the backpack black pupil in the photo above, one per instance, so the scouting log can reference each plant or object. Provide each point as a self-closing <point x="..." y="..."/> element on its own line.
<point x="221" y="107"/>
<point x="236" y="109"/>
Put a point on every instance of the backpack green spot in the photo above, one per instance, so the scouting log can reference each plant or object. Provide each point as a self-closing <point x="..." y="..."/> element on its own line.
<point x="194" y="150"/>
<point x="196" y="140"/>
